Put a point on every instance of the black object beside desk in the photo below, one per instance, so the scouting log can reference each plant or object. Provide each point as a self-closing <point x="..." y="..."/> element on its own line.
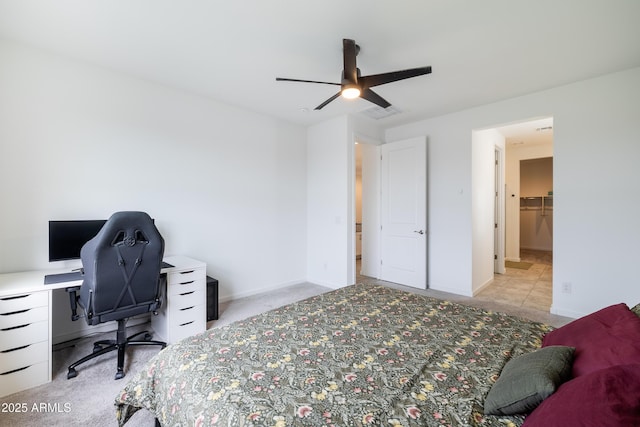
<point x="212" y="299"/>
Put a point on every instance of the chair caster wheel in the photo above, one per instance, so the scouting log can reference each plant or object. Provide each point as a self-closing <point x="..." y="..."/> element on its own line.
<point x="97" y="347"/>
<point x="72" y="373"/>
<point x="147" y="336"/>
<point x="119" y="375"/>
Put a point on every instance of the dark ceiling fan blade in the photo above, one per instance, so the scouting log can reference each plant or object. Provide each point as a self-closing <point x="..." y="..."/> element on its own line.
<point x="319" y="107"/>
<point x="282" y="79"/>
<point x="371" y="96"/>
<point x="349" y="52"/>
<point x="394" y="76"/>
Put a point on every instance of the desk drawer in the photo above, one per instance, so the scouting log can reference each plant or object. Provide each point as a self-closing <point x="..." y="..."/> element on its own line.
<point x="186" y="276"/>
<point x="10" y="360"/>
<point x="194" y="313"/>
<point x="23" y="317"/>
<point x="184" y="287"/>
<point x="187" y="299"/>
<point x="19" y="336"/>
<point x="28" y="377"/>
<point x="186" y="329"/>
<point x="21" y="302"/>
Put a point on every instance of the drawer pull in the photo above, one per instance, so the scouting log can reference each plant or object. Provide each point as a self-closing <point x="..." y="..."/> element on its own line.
<point x="15" y="349"/>
<point x="187" y="308"/>
<point x="16" y="327"/>
<point x="187" y="293"/>
<point x="186" y="272"/>
<point x="12" y="298"/>
<point x="186" y="283"/>
<point x="185" y="324"/>
<point x="15" y="370"/>
<point x="15" y="312"/>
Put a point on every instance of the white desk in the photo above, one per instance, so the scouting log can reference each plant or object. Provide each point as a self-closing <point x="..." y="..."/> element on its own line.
<point x="26" y="320"/>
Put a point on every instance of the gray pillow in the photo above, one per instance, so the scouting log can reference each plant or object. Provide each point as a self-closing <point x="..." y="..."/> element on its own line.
<point x="636" y="309"/>
<point x="529" y="379"/>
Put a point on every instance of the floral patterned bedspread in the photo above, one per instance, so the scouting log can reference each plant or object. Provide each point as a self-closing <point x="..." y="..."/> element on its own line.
<point x="364" y="355"/>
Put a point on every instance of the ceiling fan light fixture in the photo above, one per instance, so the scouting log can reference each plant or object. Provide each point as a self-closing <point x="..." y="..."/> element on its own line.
<point x="353" y="85"/>
<point x="350" y="92"/>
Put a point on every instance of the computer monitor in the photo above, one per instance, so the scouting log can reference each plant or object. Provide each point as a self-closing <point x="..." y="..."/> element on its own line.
<point x="66" y="238"/>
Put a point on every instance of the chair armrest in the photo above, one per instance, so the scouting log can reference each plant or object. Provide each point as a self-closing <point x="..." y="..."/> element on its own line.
<point x="73" y="301"/>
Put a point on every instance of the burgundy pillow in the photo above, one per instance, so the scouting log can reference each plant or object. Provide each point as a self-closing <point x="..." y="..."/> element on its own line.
<point x="608" y="337"/>
<point x="608" y="397"/>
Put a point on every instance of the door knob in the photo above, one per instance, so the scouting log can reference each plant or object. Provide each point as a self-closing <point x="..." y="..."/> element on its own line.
<point x="418" y="231"/>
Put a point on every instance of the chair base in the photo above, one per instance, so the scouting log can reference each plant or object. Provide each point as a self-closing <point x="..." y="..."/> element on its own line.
<point x="120" y="343"/>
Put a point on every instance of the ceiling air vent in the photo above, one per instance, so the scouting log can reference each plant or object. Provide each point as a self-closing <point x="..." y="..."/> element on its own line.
<point x="378" y="113"/>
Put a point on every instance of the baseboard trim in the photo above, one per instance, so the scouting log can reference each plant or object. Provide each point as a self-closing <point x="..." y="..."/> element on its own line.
<point x="238" y="295"/>
<point x="481" y="287"/>
<point x="566" y="313"/>
<point x="450" y="290"/>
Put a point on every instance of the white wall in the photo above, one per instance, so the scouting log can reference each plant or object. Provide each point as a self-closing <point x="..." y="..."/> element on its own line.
<point x="483" y="215"/>
<point x="224" y="185"/>
<point x="331" y="198"/>
<point x="328" y="210"/>
<point x="595" y="158"/>
<point x="597" y="193"/>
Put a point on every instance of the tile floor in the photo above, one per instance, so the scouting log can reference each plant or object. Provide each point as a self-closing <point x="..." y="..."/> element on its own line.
<point x="530" y="288"/>
<point x="522" y="293"/>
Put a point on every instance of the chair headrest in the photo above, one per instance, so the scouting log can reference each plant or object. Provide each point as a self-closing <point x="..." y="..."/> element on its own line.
<point x="127" y="228"/>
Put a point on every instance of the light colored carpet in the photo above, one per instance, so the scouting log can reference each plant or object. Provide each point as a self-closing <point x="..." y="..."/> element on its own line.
<point x="87" y="400"/>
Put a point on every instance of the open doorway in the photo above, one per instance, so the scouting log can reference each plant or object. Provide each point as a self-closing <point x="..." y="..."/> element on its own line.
<point x="366" y="208"/>
<point x="528" y="213"/>
<point x="536" y="206"/>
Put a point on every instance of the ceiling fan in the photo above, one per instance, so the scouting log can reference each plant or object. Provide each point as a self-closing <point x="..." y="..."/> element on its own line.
<point x="353" y="85"/>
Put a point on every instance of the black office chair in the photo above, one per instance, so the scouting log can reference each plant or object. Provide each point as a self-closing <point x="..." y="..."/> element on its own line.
<point x="121" y="278"/>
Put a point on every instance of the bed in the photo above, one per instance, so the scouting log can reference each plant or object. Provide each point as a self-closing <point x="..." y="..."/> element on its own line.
<point x="357" y="356"/>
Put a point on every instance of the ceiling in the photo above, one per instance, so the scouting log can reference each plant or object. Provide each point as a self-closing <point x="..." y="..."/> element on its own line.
<point x="232" y="51"/>
<point x="529" y="133"/>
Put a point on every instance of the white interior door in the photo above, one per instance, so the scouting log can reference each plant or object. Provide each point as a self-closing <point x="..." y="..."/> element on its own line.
<point x="403" y="216"/>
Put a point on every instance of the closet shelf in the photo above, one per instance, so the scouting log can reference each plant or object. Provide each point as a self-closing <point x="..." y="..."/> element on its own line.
<point x="537" y="203"/>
